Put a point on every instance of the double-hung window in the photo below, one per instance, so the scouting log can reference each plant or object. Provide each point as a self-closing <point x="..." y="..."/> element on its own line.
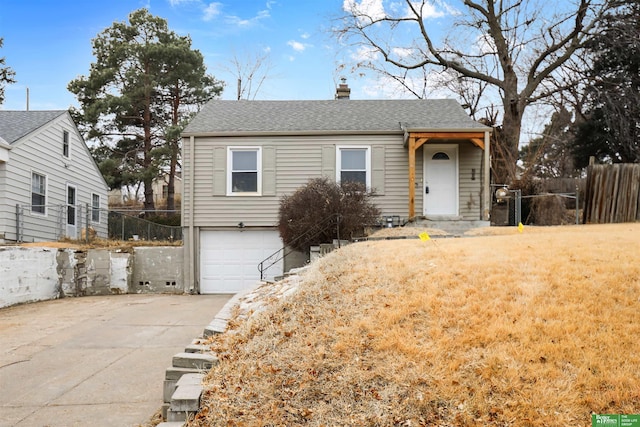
<point x="244" y="166"/>
<point x="353" y="164"/>
<point x="65" y="143"/>
<point x="38" y="193"/>
<point x="95" y="207"/>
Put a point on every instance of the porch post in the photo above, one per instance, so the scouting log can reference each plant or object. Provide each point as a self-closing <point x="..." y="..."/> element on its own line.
<point x="412" y="177"/>
<point x="486" y="178"/>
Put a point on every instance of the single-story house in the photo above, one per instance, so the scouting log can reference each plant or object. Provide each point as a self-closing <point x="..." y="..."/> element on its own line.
<point x="50" y="186"/>
<point x="423" y="158"/>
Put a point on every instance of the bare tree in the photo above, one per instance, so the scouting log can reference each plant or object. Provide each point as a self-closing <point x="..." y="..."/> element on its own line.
<point x="515" y="47"/>
<point x="250" y="71"/>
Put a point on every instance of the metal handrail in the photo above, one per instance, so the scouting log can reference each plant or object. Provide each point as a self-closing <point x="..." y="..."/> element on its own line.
<point x="321" y="227"/>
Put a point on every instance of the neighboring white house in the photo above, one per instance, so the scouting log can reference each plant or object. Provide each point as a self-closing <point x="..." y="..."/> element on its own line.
<point x="424" y="158"/>
<point x="50" y="186"/>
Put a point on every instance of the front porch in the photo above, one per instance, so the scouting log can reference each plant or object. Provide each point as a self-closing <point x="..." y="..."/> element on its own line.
<point x="442" y="187"/>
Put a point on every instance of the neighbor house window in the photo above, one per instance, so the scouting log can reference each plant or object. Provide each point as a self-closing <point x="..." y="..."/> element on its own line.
<point x="38" y="193"/>
<point x="71" y="205"/>
<point x="354" y="165"/>
<point x="95" y="207"/>
<point x="65" y="143"/>
<point x="244" y="166"/>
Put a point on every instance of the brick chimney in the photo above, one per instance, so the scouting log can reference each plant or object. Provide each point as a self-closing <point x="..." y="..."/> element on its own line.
<point x="343" y="91"/>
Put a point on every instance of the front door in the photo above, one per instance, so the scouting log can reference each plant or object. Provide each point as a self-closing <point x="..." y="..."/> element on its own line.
<point x="440" y="187"/>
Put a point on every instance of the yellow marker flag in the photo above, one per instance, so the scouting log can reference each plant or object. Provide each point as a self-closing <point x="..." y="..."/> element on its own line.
<point x="520" y="227"/>
<point x="424" y="236"/>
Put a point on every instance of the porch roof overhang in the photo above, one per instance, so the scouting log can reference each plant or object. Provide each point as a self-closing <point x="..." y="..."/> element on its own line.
<point x="476" y="136"/>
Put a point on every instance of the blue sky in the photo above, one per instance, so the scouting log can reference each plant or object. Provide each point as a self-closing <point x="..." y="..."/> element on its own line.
<point x="48" y="43"/>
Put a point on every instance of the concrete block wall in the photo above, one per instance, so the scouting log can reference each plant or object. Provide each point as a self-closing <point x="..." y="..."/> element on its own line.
<point x="38" y="273"/>
<point x="157" y="269"/>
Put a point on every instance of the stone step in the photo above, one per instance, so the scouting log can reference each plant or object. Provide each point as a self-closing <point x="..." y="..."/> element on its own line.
<point x="171" y="424"/>
<point x="194" y="361"/>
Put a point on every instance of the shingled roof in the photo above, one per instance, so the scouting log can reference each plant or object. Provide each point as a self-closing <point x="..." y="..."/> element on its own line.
<point x="16" y="124"/>
<point x="334" y="116"/>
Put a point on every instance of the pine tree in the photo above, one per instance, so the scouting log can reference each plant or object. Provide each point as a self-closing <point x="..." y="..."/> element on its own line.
<point x="612" y="129"/>
<point x="143" y="85"/>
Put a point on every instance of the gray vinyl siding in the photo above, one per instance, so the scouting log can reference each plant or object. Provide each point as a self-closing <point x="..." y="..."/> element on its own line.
<point x="41" y="152"/>
<point x="470" y="196"/>
<point x="297" y="160"/>
<point x="301" y="158"/>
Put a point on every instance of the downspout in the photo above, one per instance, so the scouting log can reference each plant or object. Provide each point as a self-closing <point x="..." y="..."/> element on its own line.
<point x="192" y="273"/>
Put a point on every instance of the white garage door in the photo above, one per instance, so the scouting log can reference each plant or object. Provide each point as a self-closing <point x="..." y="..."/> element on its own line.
<point x="229" y="259"/>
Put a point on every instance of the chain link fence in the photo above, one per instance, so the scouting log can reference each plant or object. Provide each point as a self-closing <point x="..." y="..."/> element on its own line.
<point x="36" y="223"/>
<point x="128" y="226"/>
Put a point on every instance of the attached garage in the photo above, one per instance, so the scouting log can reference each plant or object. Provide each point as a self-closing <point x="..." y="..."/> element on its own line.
<point x="229" y="259"/>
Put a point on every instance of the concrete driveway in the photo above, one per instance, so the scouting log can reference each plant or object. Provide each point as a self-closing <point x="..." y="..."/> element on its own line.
<point x="97" y="361"/>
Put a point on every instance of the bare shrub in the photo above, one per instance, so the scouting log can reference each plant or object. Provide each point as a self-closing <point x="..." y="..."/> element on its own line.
<point x="547" y="210"/>
<point x="317" y="212"/>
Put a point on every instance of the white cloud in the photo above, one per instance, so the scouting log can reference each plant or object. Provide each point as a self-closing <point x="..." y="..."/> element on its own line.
<point x="428" y="10"/>
<point x="235" y="20"/>
<point x="305" y="35"/>
<point x="297" y="46"/>
<point x="402" y="52"/>
<point x="365" y="9"/>
<point x="365" y="53"/>
<point x="211" y="11"/>
<point x="180" y="2"/>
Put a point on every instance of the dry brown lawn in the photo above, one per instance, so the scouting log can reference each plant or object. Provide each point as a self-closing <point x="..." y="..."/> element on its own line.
<point x="540" y="328"/>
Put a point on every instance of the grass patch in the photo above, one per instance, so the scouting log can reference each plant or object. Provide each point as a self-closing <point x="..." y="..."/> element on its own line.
<point x="531" y="329"/>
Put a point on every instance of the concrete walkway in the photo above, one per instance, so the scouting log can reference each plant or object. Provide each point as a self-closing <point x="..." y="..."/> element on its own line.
<point x="97" y="361"/>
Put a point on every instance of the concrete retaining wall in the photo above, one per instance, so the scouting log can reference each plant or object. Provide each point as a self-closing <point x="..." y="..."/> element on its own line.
<point x="37" y="274"/>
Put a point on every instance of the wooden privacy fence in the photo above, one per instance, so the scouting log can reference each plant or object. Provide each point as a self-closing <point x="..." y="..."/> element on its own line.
<point x="612" y="193"/>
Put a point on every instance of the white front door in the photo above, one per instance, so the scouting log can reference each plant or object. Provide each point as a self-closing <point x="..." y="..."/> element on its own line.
<point x="229" y="259"/>
<point x="440" y="187"/>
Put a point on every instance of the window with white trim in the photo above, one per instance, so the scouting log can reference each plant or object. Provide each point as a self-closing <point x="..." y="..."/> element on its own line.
<point x="95" y="207"/>
<point x="244" y="171"/>
<point x="65" y="143"/>
<point x="353" y="164"/>
<point x="71" y="205"/>
<point x="38" y="193"/>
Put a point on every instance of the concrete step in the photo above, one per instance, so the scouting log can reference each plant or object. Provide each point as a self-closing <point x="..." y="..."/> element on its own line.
<point x="171" y="424"/>
<point x="217" y="326"/>
<point x="185" y="400"/>
<point x="197" y="348"/>
<point x="194" y="361"/>
<point x="173" y="373"/>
